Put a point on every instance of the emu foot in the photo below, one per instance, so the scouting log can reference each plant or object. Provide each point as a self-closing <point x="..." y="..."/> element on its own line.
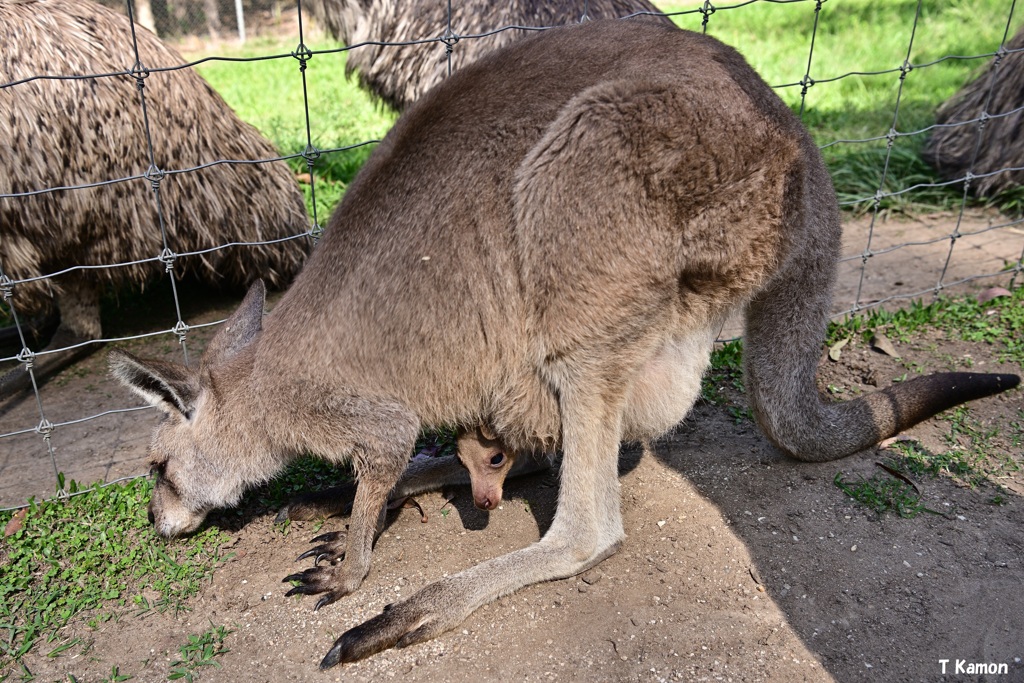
<point x="309" y="505"/>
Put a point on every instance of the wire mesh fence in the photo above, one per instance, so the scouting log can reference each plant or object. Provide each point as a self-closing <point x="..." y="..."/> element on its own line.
<point x="41" y="429"/>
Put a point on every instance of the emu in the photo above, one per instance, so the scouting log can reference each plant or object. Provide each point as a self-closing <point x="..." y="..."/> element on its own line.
<point x="398" y="75"/>
<point x="62" y="133"/>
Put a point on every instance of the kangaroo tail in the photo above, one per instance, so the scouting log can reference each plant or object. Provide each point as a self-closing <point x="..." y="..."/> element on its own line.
<point x="786" y="325"/>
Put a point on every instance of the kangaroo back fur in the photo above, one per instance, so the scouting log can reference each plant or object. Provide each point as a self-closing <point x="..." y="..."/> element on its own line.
<point x="530" y="239"/>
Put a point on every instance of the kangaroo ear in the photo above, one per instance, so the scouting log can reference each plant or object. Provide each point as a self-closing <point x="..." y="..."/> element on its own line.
<point x="240" y="329"/>
<point x="168" y="386"/>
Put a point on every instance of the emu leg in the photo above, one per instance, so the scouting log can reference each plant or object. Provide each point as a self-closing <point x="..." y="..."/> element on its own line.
<point x="79" y="306"/>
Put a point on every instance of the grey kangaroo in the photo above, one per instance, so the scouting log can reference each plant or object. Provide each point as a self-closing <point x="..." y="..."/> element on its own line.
<point x="526" y="241"/>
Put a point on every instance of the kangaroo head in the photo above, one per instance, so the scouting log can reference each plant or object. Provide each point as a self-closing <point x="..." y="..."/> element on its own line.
<point x="191" y="454"/>
<point x="488" y="462"/>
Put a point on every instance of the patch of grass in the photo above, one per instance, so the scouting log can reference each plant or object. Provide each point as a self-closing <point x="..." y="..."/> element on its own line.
<point x="440" y="442"/>
<point x="913" y="459"/>
<point x="882" y="493"/>
<point x="306" y="473"/>
<point x="999" y="322"/>
<point x="974" y="459"/>
<point x="726" y="372"/>
<point x="91" y="553"/>
<point x="199" y="651"/>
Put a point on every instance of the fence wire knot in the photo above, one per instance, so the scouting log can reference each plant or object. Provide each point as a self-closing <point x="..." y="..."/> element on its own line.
<point x="806" y="82"/>
<point x="6" y="287"/>
<point x="1000" y="53"/>
<point x="449" y="38"/>
<point x="316" y="232"/>
<point x="154" y="175"/>
<point x="706" y="10"/>
<point x="310" y="154"/>
<point x="140" y="73"/>
<point x="167" y="257"/>
<point x="905" y="68"/>
<point x="181" y="330"/>
<point x="303" y="54"/>
<point x="45" y="429"/>
<point x="27" y="357"/>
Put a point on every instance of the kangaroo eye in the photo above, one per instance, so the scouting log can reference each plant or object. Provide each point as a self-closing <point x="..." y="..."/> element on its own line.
<point x="497" y="460"/>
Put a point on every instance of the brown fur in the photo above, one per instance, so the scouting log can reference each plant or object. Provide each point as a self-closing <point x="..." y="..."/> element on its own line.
<point x="529" y="240"/>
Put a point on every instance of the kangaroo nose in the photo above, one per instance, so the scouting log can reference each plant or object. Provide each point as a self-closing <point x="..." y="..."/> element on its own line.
<point x="485" y="503"/>
<point x="149" y="514"/>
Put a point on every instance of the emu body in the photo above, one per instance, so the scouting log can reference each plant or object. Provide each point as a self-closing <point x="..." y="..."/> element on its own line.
<point x="398" y="75"/>
<point x="66" y="133"/>
<point x="526" y="244"/>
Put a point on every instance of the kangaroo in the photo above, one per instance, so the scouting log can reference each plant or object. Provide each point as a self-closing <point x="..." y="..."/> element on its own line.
<point x="520" y="247"/>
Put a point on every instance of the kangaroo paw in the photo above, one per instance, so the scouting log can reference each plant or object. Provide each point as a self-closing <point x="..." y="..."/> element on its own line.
<point x="425" y="615"/>
<point x="330" y="580"/>
<point x="332" y="548"/>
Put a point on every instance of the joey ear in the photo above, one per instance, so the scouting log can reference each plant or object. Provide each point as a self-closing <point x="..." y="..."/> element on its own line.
<point x="485" y="433"/>
<point x="168" y="386"/>
<point x="240" y="328"/>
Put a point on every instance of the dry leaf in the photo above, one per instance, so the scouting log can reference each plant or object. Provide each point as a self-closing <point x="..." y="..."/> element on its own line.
<point x="880" y="342"/>
<point x="16" y="523"/>
<point x="836" y="349"/>
<point x="992" y="293"/>
<point x="896" y="439"/>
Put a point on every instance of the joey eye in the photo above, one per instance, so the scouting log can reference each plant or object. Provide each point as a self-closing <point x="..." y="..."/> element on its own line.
<point x="498" y="460"/>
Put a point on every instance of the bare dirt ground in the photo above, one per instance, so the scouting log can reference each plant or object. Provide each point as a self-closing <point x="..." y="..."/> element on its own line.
<point x="739" y="564"/>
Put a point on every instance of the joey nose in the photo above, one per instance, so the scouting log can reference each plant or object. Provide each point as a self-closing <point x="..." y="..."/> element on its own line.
<point x="149" y="515"/>
<point x="485" y="503"/>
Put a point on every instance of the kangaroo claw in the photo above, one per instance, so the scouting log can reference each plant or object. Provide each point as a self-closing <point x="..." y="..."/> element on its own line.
<point x="330" y="537"/>
<point x="327" y="580"/>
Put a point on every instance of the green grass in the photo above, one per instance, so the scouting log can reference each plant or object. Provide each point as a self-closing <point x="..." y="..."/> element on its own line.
<point x="999" y="322"/>
<point x="974" y="459"/>
<point x="90" y="556"/>
<point x="200" y="650"/>
<point x="269" y="95"/>
<point x="867" y="36"/>
<point x="882" y="493"/>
